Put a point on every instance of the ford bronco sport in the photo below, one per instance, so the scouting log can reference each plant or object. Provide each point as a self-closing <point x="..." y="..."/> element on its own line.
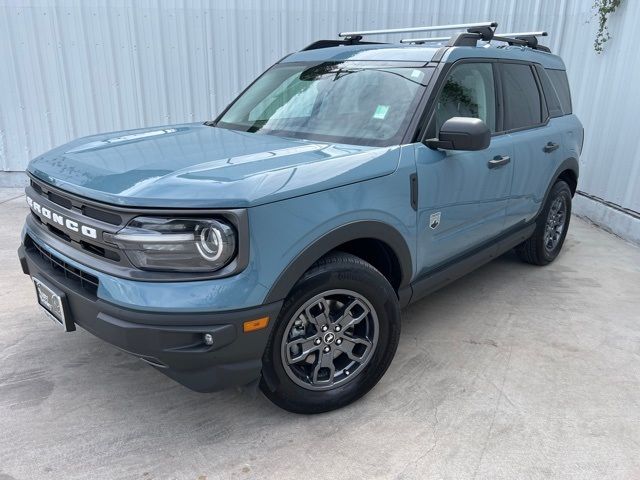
<point x="276" y="244"/>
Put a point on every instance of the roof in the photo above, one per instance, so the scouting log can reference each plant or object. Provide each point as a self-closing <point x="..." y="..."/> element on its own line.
<point x="367" y="52"/>
<point x="420" y="53"/>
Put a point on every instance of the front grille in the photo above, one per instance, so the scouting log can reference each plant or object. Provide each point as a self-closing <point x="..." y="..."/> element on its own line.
<point x="91" y="221"/>
<point x="86" y="246"/>
<point x="60" y="200"/>
<point x="81" y="212"/>
<point x="89" y="211"/>
<point x="84" y="280"/>
<point x="101" y="215"/>
<point x="36" y="187"/>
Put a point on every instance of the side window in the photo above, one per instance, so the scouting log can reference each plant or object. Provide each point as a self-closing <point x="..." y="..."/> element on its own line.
<point x="522" y="103"/>
<point x="468" y="92"/>
<point x="550" y="94"/>
<point x="559" y="80"/>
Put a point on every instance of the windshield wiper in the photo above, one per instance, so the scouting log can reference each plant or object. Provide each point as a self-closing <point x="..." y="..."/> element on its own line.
<point x="344" y="72"/>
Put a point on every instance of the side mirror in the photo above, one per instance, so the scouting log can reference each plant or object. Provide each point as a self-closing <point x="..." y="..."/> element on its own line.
<point x="461" y="133"/>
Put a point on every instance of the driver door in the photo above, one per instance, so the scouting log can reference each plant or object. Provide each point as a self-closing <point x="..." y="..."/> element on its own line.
<point x="462" y="196"/>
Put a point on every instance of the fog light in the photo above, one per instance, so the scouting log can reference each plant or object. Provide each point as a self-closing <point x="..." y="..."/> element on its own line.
<point x="208" y="339"/>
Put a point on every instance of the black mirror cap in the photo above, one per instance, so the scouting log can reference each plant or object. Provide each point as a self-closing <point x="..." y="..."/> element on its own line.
<point x="462" y="133"/>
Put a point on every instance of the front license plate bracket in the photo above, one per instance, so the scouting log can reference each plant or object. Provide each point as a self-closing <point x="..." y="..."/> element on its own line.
<point x="54" y="304"/>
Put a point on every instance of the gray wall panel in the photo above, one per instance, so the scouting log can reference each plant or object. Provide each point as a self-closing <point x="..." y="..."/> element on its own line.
<point x="72" y="68"/>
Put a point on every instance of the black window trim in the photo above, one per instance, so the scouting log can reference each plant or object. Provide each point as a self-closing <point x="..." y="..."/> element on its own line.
<point x="423" y="121"/>
<point x="440" y="75"/>
<point x="540" y="70"/>
<point x="544" y="108"/>
<point x="547" y="69"/>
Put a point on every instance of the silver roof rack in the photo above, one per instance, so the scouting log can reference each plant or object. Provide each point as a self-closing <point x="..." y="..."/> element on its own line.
<point x="424" y="40"/>
<point x="525" y="34"/>
<point x="432" y="28"/>
<point x="480" y="31"/>
<point x="524" y="39"/>
<point x="520" y="35"/>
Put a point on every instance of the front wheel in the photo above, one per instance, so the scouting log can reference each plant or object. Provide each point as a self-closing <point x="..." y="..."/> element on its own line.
<point x="553" y="223"/>
<point x="335" y="336"/>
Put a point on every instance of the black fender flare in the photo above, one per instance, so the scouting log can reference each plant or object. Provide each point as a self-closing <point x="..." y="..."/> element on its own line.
<point x="324" y="244"/>
<point x="570" y="163"/>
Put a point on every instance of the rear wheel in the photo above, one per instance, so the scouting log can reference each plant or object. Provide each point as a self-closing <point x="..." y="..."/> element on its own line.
<point x="336" y="335"/>
<point x="546" y="242"/>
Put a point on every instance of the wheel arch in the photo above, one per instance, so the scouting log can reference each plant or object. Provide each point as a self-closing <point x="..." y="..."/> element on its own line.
<point x="568" y="171"/>
<point x="347" y="238"/>
<point x="570" y="176"/>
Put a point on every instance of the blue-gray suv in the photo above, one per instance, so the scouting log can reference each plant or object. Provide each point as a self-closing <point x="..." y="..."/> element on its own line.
<point x="276" y="244"/>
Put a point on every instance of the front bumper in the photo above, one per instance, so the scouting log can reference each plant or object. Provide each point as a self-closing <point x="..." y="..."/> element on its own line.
<point x="171" y="342"/>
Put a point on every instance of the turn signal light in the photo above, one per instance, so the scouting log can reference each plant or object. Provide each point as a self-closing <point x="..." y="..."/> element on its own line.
<point x="253" y="325"/>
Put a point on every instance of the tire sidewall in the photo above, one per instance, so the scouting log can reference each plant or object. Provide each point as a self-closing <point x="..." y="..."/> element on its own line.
<point x="560" y="188"/>
<point x="375" y="288"/>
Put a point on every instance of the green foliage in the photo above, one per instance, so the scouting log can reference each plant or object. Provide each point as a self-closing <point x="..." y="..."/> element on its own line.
<point x="456" y="94"/>
<point x="603" y="8"/>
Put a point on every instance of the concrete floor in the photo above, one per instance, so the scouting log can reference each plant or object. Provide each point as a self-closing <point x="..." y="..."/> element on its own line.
<point x="512" y="372"/>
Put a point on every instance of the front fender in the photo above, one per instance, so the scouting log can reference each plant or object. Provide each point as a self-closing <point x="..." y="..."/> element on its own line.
<point x="329" y="241"/>
<point x="287" y="237"/>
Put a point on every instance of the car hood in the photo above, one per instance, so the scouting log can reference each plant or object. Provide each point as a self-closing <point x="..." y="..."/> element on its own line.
<point x="198" y="166"/>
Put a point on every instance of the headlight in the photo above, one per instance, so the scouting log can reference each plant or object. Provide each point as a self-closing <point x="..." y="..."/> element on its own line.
<point x="177" y="244"/>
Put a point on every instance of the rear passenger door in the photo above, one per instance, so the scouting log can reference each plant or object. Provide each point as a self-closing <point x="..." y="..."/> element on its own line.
<point x="536" y="141"/>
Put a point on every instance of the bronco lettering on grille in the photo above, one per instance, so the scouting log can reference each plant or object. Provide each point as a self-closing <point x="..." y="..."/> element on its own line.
<point x="61" y="220"/>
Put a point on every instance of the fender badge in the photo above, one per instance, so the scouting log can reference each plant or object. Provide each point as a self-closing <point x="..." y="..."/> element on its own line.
<point x="434" y="220"/>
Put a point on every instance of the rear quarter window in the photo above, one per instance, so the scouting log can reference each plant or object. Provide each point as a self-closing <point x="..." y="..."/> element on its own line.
<point x="561" y="84"/>
<point x="550" y="94"/>
<point x="522" y="102"/>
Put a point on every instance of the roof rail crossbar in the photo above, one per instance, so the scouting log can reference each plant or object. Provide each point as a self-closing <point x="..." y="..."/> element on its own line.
<point x="525" y="34"/>
<point x="424" y="40"/>
<point x="471" y="36"/>
<point x="432" y="28"/>
<point x="486" y="32"/>
<point x="510" y="40"/>
<point x="527" y="39"/>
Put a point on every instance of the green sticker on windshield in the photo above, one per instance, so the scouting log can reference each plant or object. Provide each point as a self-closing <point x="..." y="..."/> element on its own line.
<point x="381" y="112"/>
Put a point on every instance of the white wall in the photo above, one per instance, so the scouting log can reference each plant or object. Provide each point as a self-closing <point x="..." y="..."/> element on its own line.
<point x="72" y="68"/>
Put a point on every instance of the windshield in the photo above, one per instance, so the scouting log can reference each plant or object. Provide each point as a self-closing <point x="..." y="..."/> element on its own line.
<point x="341" y="102"/>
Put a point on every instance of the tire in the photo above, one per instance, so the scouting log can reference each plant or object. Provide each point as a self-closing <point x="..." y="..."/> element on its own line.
<point x="546" y="242"/>
<point x="361" y="337"/>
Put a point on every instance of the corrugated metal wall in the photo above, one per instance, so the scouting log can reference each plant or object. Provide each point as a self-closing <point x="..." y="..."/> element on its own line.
<point x="72" y="68"/>
<point x="606" y="97"/>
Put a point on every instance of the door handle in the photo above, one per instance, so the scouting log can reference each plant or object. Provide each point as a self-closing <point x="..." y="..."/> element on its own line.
<point x="498" y="161"/>
<point x="550" y="147"/>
